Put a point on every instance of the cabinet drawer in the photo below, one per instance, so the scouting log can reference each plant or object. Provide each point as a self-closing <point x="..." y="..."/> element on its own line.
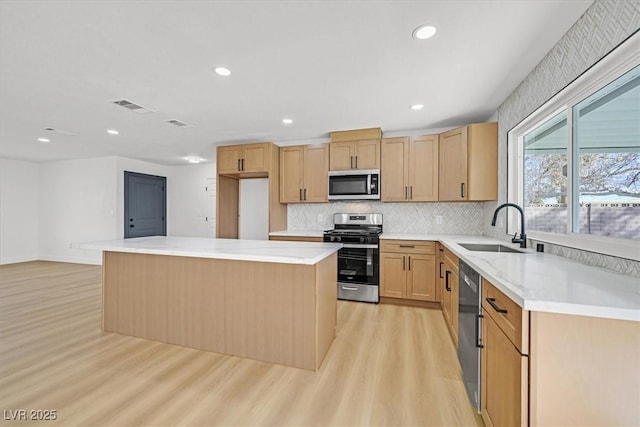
<point x="508" y="315"/>
<point x="451" y="259"/>
<point x="408" y="246"/>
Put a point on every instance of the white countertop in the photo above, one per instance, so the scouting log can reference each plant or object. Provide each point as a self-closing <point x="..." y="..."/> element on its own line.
<point x="546" y="282"/>
<point x="294" y="233"/>
<point x="242" y="250"/>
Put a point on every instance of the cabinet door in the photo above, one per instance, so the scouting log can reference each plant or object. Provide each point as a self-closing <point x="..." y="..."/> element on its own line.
<point x="316" y="167"/>
<point x="502" y="367"/>
<point x="421" y="283"/>
<point x="423" y="169"/>
<point x="291" y="174"/>
<point x="392" y="275"/>
<point x="367" y="154"/>
<point x="453" y="165"/>
<point x="254" y="158"/>
<point x="341" y="156"/>
<point x="439" y="273"/>
<point x="393" y="172"/>
<point x="229" y="159"/>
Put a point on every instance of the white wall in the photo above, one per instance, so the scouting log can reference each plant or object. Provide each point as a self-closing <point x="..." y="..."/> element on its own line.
<point x="77" y="203"/>
<point x="18" y="211"/>
<point x="188" y="199"/>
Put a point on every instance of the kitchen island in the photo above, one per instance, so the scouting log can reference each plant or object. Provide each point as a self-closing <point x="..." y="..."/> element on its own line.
<point x="264" y="300"/>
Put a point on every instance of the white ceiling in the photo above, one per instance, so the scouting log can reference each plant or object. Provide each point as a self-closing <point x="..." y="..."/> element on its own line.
<point x="327" y="65"/>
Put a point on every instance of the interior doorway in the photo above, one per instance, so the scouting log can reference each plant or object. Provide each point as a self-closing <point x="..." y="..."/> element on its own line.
<point x="145" y="205"/>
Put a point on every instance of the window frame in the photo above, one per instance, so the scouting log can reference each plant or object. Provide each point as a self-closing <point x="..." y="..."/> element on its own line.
<point x="619" y="61"/>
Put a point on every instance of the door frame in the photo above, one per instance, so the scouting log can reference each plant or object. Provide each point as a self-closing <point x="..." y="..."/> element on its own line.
<point x="163" y="179"/>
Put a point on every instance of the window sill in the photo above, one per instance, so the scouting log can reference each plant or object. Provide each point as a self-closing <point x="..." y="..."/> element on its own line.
<point x="629" y="249"/>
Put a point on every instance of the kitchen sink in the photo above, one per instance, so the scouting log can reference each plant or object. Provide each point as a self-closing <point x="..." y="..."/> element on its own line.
<point x="477" y="247"/>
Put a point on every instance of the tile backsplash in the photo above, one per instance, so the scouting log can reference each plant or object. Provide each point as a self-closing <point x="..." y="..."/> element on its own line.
<point x="455" y="218"/>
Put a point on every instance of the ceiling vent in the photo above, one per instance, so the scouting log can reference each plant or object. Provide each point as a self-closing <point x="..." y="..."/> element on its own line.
<point x="179" y="123"/>
<point x="133" y="107"/>
<point x="58" y="131"/>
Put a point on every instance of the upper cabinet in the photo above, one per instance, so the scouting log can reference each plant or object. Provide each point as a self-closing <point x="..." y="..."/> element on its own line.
<point x="303" y="173"/>
<point x="409" y="169"/>
<point x="356" y="149"/>
<point x="242" y="159"/>
<point x="469" y="163"/>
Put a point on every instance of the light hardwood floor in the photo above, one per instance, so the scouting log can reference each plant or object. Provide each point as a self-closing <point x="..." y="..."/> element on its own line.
<point x="388" y="366"/>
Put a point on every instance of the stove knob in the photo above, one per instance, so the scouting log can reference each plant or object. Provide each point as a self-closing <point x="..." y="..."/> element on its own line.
<point x="338" y="239"/>
<point x="363" y="239"/>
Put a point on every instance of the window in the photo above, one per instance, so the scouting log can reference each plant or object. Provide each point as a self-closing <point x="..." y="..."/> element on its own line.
<point x="576" y="161"/>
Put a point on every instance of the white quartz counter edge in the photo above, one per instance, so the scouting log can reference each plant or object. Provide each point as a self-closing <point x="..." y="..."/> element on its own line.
<point x="293" y="233"/>
<point x="241" y="250"/>
<point x="545" y="282"/>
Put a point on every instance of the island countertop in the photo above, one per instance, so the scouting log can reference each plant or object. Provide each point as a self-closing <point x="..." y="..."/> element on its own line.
<point x="233" y="249"/>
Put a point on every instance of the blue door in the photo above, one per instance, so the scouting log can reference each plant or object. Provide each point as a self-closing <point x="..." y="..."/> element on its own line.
<point x="145" y="205"/>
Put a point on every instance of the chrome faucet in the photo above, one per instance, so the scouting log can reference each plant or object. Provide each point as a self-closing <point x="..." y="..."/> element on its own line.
<point x="523" y="237"/>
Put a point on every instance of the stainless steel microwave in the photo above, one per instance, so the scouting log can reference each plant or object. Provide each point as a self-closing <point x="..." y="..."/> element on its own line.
<point x="361" y="184"/>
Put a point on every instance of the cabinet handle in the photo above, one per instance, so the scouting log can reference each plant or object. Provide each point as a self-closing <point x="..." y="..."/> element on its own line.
<point x="351" y="163"/>
<point x="356" y="162"/>
<point x="402" y="262"/>
<point x="300" y="194"/>
<point x="492" y="303"/>
<point x="441" y="264"/>
<point x="462" y="190"/>
<point x="239" y="165"/>
<point x="478" y="338"/>
<point x="242" y="164"/>
<point x="407" y="246"/>
<point x="411" y="192"/>
<point x="405" y="192"/>
<point x="305" y="194"/>
<point x="446" y="281"/>
<point x="409" y="263"/>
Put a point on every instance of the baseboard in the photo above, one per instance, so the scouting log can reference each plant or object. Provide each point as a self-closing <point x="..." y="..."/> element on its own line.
<point x="71" y="259"/>
<point x="16" y="260"/>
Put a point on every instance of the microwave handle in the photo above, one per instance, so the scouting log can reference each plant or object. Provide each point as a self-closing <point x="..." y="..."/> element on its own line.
<point x="368" y="183"/>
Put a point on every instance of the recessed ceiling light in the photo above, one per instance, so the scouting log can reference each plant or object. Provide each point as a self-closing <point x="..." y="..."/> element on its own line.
<point x="222" y="71"/>
<point x="287" y="121"/>
<point x="112" y="131"/>
<point x="417" y="107"/>
<point x="194" y="159"/>
<point x="424" y="32"/>
<point x="44" y="140"/>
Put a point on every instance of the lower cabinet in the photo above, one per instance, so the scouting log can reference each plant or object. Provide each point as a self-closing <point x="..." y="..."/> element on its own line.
<point x="407" y="270"/>
<point x="450" y="294"/>
<point x="505" y="369"/>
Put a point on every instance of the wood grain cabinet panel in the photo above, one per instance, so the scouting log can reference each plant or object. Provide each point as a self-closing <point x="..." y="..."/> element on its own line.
<point x="409" y="169"/>
<point x="348" y="155"/>
<point x="240" y="159"/>
<point x="468" y="158"/>
<point x="303" y="173"/>
<point x="407" y="270"/>
<point x="450" y="294"/>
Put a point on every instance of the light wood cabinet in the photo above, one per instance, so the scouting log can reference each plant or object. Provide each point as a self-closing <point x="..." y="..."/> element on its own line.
<point x="239" y="159"/>
<point x="347" y="155"/>
<point x="451" y="294"/>
<point x="303" y="173"/>
<point x="236" y="162"/>
<point x="440" y="272"/>
<point x="504" y="363"/>
<point x="409" y="169"/>
<point x="407" y="270"/>
<point x="468" y="169"/>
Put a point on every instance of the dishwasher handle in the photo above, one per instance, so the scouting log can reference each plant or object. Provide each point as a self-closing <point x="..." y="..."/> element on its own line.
<point x="479" y="318"/>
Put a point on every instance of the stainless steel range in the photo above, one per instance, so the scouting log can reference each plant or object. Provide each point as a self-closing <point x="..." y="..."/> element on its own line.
<point x="359" y="258"/>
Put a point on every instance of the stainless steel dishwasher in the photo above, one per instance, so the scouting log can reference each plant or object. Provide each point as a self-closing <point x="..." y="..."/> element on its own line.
<point x="470" y="330"/>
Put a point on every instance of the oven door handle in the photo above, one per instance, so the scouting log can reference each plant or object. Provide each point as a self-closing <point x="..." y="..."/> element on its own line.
<point x="355" y="246"/>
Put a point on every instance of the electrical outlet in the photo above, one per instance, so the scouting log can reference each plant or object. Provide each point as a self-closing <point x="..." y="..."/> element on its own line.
<point x="439" y="219"/>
